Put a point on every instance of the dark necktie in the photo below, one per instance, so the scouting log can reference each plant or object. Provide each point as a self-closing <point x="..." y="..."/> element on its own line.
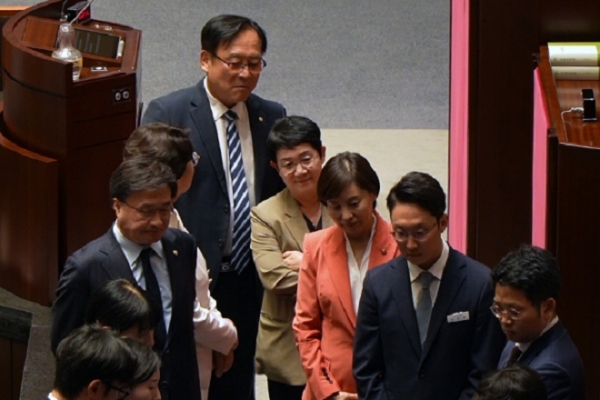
<point x="514" y="356"/>
<point x="240" y="240"/>
<point x="424" y="304"/>
<point x="153" y="291"/>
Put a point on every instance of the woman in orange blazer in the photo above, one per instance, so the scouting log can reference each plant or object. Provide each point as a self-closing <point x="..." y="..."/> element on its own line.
<point x="334" y="265"/>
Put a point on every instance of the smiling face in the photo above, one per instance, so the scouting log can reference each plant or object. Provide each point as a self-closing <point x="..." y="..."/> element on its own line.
<point x="145" y="215"/>
<point x="300" y="168"/>
<point x="225" y="85"/>
<point x="408" y="217"/>
<point x="353" y="211"/>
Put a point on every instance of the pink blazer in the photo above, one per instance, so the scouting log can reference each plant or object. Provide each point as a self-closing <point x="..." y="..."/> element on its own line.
<point x="325" y="319"/>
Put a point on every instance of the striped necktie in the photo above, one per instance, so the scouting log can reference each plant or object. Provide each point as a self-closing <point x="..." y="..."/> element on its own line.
<point x="240" y="240"/>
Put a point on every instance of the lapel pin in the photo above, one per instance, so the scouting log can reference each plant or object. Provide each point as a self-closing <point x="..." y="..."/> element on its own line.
<point x="383" y="251"/>
<point x="175" y="253"/>
<point x="260" y="119"/>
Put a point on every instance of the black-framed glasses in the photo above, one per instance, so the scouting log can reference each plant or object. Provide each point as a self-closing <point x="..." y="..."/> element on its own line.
<point x="418" y="235"/>
<point x="195" y="158"/>
<point x="307" y="161"/>
<point x="511" y="313"/>
<point x="149" y="213"/>
<point x="253" y="65"/>
<point x="122" y="392"/>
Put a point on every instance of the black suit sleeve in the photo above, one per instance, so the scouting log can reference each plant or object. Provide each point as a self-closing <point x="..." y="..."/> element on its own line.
<point x="368" y="363"/>
<point x="72" y="296"/>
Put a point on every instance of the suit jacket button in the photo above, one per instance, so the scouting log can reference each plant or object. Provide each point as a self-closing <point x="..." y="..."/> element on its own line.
<point x="226" y="208"/>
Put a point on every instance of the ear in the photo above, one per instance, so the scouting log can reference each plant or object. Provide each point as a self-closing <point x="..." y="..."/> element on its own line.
<point x="323" y="152"/>
<point x="94" y="389"/>
<point x="273" y="165"/>
<point x="116" y="205"/>
<point x="443" y="223"/>
<point x="204" y="60"/>
<point x="549" y="307"/>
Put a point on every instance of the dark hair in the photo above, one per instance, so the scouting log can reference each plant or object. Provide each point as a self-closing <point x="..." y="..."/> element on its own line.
<point x="222" y="29"/>
<point x="532" y="270"/>
<point x="343" y="170"/>
<point x="289" y="132"/>
<point x="147" y="361"/>
<point x="161" y="142"/>
<point x="518" y="382"/>
<point x="121" y="305"/>
<point x="139" y="174"/>
<point x="421" y="189"/>
<point x="91" y="353"/>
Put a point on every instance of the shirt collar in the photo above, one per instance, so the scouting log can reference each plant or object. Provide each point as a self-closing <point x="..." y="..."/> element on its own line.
<point x="437" y="269"/>
<point x="132" y="250"/>
<point x="218" y="108"/>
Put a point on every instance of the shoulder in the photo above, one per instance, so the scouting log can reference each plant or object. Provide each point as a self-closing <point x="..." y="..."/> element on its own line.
<point x="383" y="271"/>
<point x="97" y="248"/>
<point x="181" y="97"/>
<point x="268" y="106"/>
<point x="179" y="237"/>
<point x="320" y="237"/>
<point x="474" y="269"/>
<point x="275" y="206"/>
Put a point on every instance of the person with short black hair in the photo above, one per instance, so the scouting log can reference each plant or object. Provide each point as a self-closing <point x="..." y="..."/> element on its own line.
<point x="93" y="363"/>
<point x="228" y="127"/>
<point x="141" y="248"/>
<point x="423" y="330"/>
<point x="279" y="225"/>
<point x="527" y="284"/>
<point x="145" y="381"/>
<point x="511" y="383"/>
<point x="334" y="263"/>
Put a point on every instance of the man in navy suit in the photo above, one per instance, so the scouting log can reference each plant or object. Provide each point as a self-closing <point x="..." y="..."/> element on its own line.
<point x="424" y="330"/>
<point x="232" y="58"/>
<point x="142" y="195"/>
<point x="527" y="283"/>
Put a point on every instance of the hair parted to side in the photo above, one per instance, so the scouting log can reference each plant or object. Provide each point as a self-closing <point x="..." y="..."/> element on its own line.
<point x="91" y="353"/>
<point x="161" y="142"/>
<point x="532" y="270"/>
<point x="343" y="170"/>
<point x="222" y="29"/>
<point x="291" y="131"/>
<point x="421" y="189"/>
<point x="518" y="382"/>
<point x="141" y="174"/>
<point x="121" y="305"/>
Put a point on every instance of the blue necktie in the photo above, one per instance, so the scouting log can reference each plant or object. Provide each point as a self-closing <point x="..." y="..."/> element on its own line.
<point x="424" y="304"/>
<point x="153" y="292"/>
<point x="240" y="241"/>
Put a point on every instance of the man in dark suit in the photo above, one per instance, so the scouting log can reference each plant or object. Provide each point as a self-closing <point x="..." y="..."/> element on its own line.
<point x="424" y="330"/>
<point x="139" y="247"/>
<point x="223" y="115"/>
<point x="527" y="283"/>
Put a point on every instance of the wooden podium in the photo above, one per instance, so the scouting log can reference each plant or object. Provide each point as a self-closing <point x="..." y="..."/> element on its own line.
<point x="60" y="142"/>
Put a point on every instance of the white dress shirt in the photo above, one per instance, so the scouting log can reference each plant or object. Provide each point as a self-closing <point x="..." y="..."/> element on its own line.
<point x="159" y="266"/>
<point x="437" y="270"/>
<point x="357" y="272"/>
<point x="243" y="126"/>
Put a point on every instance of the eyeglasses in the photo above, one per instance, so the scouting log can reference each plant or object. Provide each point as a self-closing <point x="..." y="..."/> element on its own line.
<point x="149" y="213"/>
<point x="195" y="158"/>
<point x="511" y="313"/>
<point x="254" y="65"/>
<point x="307" y="162"/>
<point x="418" y="235"/>
<point x="122" y="392"/>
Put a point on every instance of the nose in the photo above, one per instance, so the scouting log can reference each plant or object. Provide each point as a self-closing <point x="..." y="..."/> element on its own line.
<point x="505" y="319"/>
<point x="346" y="213"/>
<point x="245" y="72"/>
<point x="411" y="243"/>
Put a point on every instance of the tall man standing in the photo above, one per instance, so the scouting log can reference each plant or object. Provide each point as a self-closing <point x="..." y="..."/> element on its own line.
<point x="139" y="247"/>
<point x="527" y="283"/>
<point x="228" y="128"/>
<point x="424" y="330"/>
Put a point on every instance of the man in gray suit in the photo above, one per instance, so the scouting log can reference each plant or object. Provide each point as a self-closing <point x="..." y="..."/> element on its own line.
<point x="228" y="127"/>
<point x="424" y="330"/>
<point x="139" y="247"/>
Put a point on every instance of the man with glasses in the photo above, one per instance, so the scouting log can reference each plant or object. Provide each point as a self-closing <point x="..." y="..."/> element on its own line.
<point x="527" y="283"/>
<point x="141" y="248"/>
<point x="424" y="330"/>
<point x="228" y="127"/>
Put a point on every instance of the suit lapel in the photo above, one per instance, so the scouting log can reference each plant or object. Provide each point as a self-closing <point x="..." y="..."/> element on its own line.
<point x="293" y="218"/>
<point x="171" y="253"/>
<point x="541" y="343"/>
<point x="452" y="280"/>
<point x="115" y="264"/>
<point x="402" y="293"/>
<point x="202" y="116"/>
<point x="383" y="247"/>
<point x="337" y="264"/>
<point x="259" y="132"/>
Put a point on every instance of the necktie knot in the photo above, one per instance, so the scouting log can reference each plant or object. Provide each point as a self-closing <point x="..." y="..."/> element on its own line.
<point x="425" y="278"/>
<point x="230" y="116"/>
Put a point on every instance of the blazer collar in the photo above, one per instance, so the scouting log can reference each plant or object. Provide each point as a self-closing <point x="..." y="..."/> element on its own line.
<point x="402" y="293"/>
<point x="294" y="219"/>
<point x="115" y="264"/>
<point x="542" y="342"/>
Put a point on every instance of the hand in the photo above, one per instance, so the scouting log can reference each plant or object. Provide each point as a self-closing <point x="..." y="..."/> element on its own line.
<point x="344" y="396"/>
<point x="292" y="259"/>
<point x="222" y="363"/>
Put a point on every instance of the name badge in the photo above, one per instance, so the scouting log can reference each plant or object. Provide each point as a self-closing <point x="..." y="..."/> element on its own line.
<point x="458" y="316"/>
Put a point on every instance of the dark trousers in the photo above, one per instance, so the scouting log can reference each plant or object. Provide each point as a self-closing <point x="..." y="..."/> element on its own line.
<point x="283" y="391"/>
<point x="239" y="299"/>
